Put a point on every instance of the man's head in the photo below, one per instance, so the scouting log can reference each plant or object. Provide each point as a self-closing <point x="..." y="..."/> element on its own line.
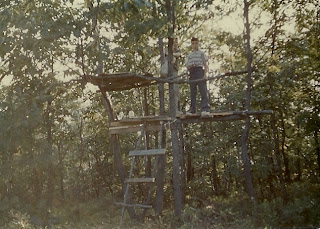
<point x="194" y="44"/>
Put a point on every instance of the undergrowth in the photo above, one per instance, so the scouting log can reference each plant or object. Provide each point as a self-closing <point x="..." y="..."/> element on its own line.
<point x="302" y="211"/>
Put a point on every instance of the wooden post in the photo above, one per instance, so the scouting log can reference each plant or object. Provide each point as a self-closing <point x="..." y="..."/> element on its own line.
<point x="158" y="204"/>
<point x="174" y="126"/>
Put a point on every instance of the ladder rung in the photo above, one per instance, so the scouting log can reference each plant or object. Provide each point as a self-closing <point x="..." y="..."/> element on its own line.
<point x="148" y="152"/>
<point x="140" y="180"/>
<point x="134" y="205"/>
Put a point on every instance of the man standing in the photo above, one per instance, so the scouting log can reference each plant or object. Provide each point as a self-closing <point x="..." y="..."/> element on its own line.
<point x="197" y="65"/>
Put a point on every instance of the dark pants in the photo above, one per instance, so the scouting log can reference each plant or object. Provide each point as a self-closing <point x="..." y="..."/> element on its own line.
<point x="198" y="73"/>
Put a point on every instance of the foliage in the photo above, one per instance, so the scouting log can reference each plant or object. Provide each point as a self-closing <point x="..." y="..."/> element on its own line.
<point x="19" y="220"/>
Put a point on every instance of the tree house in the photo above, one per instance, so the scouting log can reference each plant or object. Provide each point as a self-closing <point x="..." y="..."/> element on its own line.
<point x="146" y="124"/>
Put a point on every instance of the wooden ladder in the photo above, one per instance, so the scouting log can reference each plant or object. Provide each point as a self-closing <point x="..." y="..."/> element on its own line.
<point x="148" y="181"/>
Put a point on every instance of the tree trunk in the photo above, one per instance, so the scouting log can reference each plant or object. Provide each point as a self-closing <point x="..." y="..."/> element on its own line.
<point x="317" y="148"/>
<point x="277" y="156"/>
<point x="287" y="176"/>
<point x="214" y="175"/>
<point x="298" y="156"/>
<point x="298" y="165"/>
<point x="77" y="188"/>
<point x="269" y="159"/>
<point x="190" y="170"/>
<point x="61" y="169"/>
<point x="245" y="133"/>
<point x="176" y="171"/>
<point x="182" y="163"/>
<point x="50" y="169"/>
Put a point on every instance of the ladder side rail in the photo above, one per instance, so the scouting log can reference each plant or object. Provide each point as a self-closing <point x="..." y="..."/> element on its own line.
<point x="130" y="175"/>
<point x="126" y="191"/>
<point x="153" y="174"/>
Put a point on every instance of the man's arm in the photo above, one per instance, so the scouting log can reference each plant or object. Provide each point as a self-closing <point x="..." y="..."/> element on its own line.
<point x="206" y="69"/>
<point x="205" y="65"/>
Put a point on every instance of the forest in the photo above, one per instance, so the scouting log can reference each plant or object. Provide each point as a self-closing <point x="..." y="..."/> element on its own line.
<point x="57" y="161"/>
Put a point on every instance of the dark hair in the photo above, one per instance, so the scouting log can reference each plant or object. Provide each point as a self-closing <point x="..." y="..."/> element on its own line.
<point x="194" y="39"/>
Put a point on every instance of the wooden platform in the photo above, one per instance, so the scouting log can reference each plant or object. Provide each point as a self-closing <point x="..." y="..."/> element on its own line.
<point x="211" y="115"/>
<point x="153" y="123"/>
<point x="121" y="81"/>
<point x="220" y="116"/>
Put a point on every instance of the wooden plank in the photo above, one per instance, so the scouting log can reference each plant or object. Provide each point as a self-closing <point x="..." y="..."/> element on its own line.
<point x="134" y="205"/>
<point x="130" y="129"/>
<point x="263" y="112"/>
<point x="140" y="120"/>
<point x="224" y="114"/>
<point x="219" y="114"/>
<point x="140" y="180"/>
<point x="124" y="129"/>
<point x="149" y="152"/>
<point x="213" y="114"/>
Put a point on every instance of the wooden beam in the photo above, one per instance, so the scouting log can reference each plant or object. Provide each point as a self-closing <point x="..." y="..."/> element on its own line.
<point x="211" y="119"/>
<point x="140" y="180"/>
<point x="140" y="120"/>
<point x="134" y="205"/>
<point x="149" y="152"/>
<point x="134" y="128"/>
<point x="124" y="129"/>
<point x="221" y="116"/>
<point x="198" y="115"/>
